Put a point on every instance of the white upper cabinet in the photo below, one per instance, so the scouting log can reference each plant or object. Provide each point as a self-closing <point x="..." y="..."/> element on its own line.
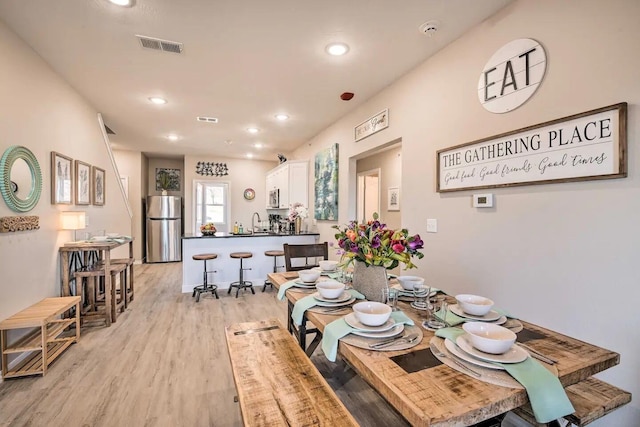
<point x="292" y="179"/>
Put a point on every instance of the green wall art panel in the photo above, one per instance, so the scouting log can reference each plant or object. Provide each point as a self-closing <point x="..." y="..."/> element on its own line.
<point x="326" y="184"/>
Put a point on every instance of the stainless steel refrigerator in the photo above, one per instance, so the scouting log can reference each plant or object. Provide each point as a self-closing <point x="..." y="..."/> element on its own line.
<point x="164" y="228"/>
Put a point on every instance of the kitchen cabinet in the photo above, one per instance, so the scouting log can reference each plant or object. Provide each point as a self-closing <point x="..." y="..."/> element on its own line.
<point x="292" y="179"/>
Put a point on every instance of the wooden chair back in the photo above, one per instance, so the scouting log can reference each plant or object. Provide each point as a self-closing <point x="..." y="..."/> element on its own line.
<point x="308" y="252"/>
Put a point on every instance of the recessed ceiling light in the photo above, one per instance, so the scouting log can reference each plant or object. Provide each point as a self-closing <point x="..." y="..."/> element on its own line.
<point x="157" y="100"/>
<point x="249" y="156"/>
<point x="173" y="137"/>
<point x="258" y="145"/>
<point x="122" y="2"/>
<point x="253" y="130"/>
<point x="282" y="117"/>
<point x="337" y="49"/>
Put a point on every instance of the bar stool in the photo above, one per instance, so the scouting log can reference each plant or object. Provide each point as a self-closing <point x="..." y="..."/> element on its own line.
<point x="275" y="255"/>
<point x="241" y="284"/>
<point x="206" y="286"/>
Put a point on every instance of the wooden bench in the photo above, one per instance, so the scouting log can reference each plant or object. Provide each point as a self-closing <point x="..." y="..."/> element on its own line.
<point x="591" y="398"/>
<point x="44" y="344"/>
<point x="277" y="383"/>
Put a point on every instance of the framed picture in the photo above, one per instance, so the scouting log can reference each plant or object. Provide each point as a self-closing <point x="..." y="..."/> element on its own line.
<point x="394" y="199"/>
<point x="98" y="186"/>
<point x="82" y="183"/>
<point x="167" y="179"/>
<point x="61" y="179"/>
<point x="326" y="183"/>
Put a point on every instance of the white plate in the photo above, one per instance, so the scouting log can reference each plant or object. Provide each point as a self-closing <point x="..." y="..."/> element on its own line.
<point x="346" y="296"/>
<point x="516" y="354"/>
<point x="489" y="317"/>
<point x="100" y="238"/>
<point x="335" y="304"/>
<point x="456" y="351"/>
<point x="353" y="321"/>
<point x="397" y="329"/>
<point x="325" y="272"/>
<point x="301" y="282"/>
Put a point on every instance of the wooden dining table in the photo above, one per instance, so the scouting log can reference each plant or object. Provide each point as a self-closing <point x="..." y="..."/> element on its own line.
<point x="440" y="395"/>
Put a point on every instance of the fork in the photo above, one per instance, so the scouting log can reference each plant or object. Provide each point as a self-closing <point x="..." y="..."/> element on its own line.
<point x="439" y="353"/>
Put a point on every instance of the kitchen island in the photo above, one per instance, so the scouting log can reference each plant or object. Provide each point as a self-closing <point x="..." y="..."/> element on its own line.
<point x="227" y="268"/>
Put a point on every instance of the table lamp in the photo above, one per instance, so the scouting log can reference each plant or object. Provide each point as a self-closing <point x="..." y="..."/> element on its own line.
<point x="73" y="220"/>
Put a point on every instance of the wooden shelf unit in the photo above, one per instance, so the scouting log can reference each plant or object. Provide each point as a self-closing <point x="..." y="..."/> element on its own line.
<point x="45" y="343"/>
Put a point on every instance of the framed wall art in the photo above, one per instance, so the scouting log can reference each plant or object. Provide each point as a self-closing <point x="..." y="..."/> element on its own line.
<point x="61" y="179"/>
<point x="98" y="186"/>
<point x="393" y="202"/>
<point x="326" y="183"/>
<point x="82" y="183"/>
<point x="167" y="179"/>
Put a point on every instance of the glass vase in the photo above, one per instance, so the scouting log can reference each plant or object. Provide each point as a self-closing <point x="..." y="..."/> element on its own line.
<point x="370" y="280"/>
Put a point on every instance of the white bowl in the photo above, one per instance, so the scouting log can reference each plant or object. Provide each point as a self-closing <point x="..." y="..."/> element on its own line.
<point x="372" y="313"/>
<point x="489" y="338"/>
<point x="330" y="289"/>
<point x="309" y="276"/>
<point x="407" y="282"/>
<point x="328" y="265"/>
<point x="474" y="304"/>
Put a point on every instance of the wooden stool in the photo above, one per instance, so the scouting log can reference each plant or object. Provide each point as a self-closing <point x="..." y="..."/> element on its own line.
<point x="241" y="284"/>
<point x="128" y="278"/>
<point x="206" y="286"/>
<point x="90" y="307"/>
<point x="275" y="255"/>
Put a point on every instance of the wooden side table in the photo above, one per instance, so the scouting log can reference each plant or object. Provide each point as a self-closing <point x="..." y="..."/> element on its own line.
<point x="45" y="343"/>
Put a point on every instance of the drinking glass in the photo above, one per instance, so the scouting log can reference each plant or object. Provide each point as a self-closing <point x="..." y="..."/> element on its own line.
<point x="420" y="295"/>
<point x="433" y="320"/>
<point x="390" y="297"/>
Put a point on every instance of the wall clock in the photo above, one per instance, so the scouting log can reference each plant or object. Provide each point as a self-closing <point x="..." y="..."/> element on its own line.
<point x="249" y="194"/>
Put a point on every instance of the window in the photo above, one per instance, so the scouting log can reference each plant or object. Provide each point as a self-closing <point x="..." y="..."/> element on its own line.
<point x="211" y="204"/>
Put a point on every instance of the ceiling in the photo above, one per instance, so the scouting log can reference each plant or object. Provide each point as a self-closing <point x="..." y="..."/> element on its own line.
<point x="243" y="62"/>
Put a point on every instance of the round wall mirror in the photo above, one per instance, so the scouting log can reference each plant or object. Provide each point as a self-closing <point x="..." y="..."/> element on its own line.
<point x="20" y="178"/>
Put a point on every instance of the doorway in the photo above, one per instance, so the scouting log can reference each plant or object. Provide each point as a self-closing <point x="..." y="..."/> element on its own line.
<point x="368" y="192"/>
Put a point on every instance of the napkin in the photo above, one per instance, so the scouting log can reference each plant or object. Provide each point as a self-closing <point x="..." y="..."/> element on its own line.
<point x="339" y="328"/>
<point x="452" y="318"/>
<point x="283" y="289"/>
<point x="546" y="395"/>
<point x="304" y="304"/>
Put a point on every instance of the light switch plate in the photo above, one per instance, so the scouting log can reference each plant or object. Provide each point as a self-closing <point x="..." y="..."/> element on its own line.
<point x="432" y="225"/>
<point x="483" y="200"/>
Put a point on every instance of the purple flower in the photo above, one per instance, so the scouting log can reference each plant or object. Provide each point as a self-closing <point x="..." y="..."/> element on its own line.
<point x="375" y="242"/>
<point x="415" y="243"/>
<point x="353" y="247"/>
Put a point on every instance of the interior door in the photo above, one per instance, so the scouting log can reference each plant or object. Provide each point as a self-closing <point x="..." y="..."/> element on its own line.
<point x="368" y="194"/>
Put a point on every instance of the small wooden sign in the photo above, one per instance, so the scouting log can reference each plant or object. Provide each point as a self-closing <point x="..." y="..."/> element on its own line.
<point x="586" y="146"/>
<point x="374" y="124"/>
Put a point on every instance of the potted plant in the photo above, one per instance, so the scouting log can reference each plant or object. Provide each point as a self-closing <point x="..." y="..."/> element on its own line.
<point x="164" y="181"/>
<point x="374" y="248"/>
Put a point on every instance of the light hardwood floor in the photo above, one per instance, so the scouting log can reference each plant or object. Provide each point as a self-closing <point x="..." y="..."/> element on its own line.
<point x="164" y="363"/>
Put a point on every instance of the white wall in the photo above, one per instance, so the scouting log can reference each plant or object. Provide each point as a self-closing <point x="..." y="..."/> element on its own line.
<point x="242" y="174"/>
<point x="40" y="111"/>
<point x="560" y="255"/>
<point x="130" y="165"/>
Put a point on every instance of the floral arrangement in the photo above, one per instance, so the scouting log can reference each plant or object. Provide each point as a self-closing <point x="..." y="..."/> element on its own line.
<point x="375" y="244"/>
<point x="297" y="210"/>
<point x="208" y="228"/>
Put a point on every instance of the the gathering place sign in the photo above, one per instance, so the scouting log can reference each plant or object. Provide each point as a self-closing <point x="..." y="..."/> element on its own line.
<point x="585" y="146"/>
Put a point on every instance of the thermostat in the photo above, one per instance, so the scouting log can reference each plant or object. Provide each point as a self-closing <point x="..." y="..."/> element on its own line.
<point x="483" y="200"/>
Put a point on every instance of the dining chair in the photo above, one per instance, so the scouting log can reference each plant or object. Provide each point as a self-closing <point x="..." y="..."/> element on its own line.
<point x="309" y="252"/>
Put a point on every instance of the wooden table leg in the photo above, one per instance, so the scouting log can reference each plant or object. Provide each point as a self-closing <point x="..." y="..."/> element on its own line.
<point x="109" y="318"/>
<point x="78" y="322"/>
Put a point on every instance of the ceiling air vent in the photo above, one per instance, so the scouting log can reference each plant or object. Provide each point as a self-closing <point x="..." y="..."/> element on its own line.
<point x="158" y="44"/>
<point x="207" y="119"/>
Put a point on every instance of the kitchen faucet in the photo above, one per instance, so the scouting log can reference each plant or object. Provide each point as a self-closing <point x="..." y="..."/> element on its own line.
<point x="253" y="225"/>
